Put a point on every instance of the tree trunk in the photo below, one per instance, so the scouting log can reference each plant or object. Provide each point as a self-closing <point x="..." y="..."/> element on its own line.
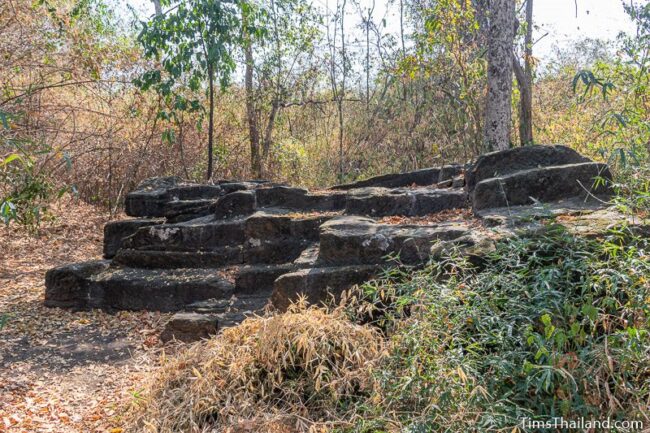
<point x="342" y="94"/>
<point x="251" y="113"/>
<point x="210" y="121"/>
<point x="156" y="4"/>
<point x="268" y="134"/>
<point x="498" y="115"/>
<point x="525" y="103"/>
<point x="526" y="82"/>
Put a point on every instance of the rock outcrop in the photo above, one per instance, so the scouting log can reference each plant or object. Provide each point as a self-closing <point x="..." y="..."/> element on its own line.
<point x="217" y="252"/>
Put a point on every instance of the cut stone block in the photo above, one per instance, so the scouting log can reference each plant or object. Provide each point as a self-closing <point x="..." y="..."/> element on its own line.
<point x="357" y="240"/>
<point x="115" y="232"/>
<point x="544" y="185"/>
<point x="69" y="286"/>
<point x="380" y="202"/>
<point x="149" y="198"/>
<point x="160" y="259"/>
<point x="504" y="162"/>
<point x="260" y="278"/>
<point x="235" y="204"/>
<point x="424" y="177"/>
<point x="298" y="199"/>
<point x="189" y="327"/>
<point x="194" y="235"/>
<point x="96" y="285"/>
<point x="274" y="225"/>
<point x="449" y="172"/>
<point x="319" y="284"/>
<point x="185" y="210"/>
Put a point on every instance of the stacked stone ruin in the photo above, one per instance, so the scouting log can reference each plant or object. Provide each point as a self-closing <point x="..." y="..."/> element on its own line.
<point x="217" y="252"/>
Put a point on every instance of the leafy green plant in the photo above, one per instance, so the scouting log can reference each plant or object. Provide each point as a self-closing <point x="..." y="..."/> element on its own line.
<point x="4" y="319"/>
<point x="193" y="45"/>
<point x="550" y="325"/>
<point x="623" y="126"/>
<point x="26" y="186"/>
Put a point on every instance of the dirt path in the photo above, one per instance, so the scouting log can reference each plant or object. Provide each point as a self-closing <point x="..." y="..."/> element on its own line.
<point x="63" y="371"/>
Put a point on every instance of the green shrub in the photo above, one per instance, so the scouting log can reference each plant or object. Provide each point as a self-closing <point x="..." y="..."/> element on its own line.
<point x="26" y="186"/>
<point x="550" y="326"/>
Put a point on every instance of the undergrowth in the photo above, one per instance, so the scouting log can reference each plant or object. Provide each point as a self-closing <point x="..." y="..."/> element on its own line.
<point x="550" y="326"/>
<point x="547" y="325"/>
<point x="278" y="373"/>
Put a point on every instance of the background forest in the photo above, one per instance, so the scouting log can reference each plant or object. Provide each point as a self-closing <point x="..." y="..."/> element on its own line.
<point x="93" y="99"/>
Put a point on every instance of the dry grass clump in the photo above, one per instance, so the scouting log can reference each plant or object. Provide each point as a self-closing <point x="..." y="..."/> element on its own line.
<point x="292" y="369"/>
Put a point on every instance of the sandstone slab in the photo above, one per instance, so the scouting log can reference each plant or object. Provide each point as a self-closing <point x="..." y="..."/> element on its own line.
<point x="504" y="162"/>
<point x="189" y="327"/>
<point x="319" y="284"/>
<point x="378" y="202"/>
<point x="424" y="177"/>
<point x="98" y="285"/>
<point x="115" y="232"/>
<point x="544" y="185"/>
<point x="70" y="286"/>
<point x="356" y="240"/>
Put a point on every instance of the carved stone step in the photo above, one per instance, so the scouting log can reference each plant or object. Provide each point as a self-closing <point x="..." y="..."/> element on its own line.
<point x="259" y="278"/>
<point x="378" y="202"/>
<point x="357" y="240"/>
<point x="151" y="197"/>
<point x="115" y="232"/>
<point x="97" y="285"/>
<point x="299" y="199"/>
<point x="69" y="286"/>
<point x="546" y="184"/>
<point x="424" y="177"/>
<point x="504" y="162"/>
<point x="319" y="284"/>
<point x="160" y="259"/>
<point x="185" y="210"/>
<point x="195" y="235"/>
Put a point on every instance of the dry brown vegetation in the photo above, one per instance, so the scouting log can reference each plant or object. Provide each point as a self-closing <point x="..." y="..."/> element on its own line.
<point x="292" y="372"/>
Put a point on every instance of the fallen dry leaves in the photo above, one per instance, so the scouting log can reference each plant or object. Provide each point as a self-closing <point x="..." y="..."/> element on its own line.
<point x="450" y="215"/>
<point x="64" y="371"/>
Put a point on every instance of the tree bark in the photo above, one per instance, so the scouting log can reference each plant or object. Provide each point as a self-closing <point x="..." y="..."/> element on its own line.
<point x="156" y="4"/>
<point x="525" y="103"/>
<point x="342" y="94"/>
<point x="526" y="82"/>
<point x="251" y="113"/>
<point x="210" y="122"/>
<point x="268" y="134"/>
<point x="498" y="114"/>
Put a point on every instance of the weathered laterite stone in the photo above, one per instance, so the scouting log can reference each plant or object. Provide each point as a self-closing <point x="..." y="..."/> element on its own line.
<point x="585" y="180"/>
<point x="189" y="327"/>
<point x="505" y="162"/>
<point x="116" y="232"/>
<point x="220" y="252"/>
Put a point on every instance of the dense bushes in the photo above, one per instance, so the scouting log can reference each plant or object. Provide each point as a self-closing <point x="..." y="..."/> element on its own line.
<point x="551" y="326"/>
<point x="292" y="369"/>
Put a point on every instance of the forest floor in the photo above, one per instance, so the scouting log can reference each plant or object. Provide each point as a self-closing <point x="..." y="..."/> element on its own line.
<point x="64" y="371"/>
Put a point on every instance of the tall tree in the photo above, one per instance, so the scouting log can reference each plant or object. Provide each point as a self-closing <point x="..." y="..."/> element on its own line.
<point x="276" y="70"/>
<point x="192" y="42"/>
<point x="498" y="115"/>
<point x="157" y="6"/>
<point x="524" y="75"/>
